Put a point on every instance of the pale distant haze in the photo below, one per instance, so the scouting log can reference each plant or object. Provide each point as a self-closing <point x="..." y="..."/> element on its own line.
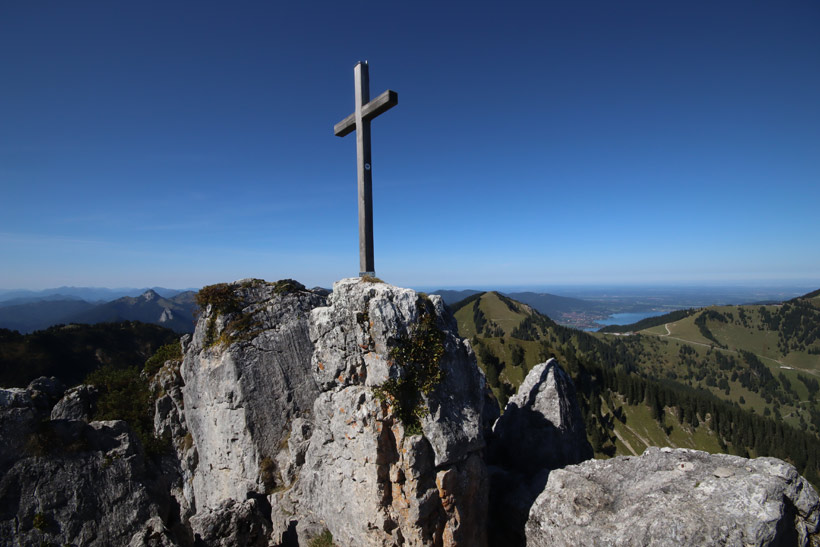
<point x="179" y="144"/>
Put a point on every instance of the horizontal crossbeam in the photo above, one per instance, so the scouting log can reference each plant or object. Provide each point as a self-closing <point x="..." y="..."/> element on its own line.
<point x="380" y="104"/>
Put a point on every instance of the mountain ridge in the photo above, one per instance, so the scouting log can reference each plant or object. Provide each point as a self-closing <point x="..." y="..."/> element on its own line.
<point x="175" y="312"/>
<point x="89" y="294"/>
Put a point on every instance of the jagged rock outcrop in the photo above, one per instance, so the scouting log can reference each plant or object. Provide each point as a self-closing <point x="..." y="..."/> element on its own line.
<point x="246" y="375"/>
<point x="313" y="405"/>
<point x="541" y="429"/>
<point x="21" y="412"/>
<point x="80" y="484"/>
<point x="233" y="523"/>
<point x="542" y="426"/>
<point x="78" y="403"/>
<point x="45" y="392"/>
<point x="169" y="423"/>
<point x="371" y="475"/>
<point x="675" y="497"/>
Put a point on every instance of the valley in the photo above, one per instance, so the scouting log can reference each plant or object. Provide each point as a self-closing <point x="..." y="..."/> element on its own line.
<point x="720" y="378"/>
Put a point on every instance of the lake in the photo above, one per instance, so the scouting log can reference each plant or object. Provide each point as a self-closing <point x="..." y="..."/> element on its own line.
<point x="628" y="318"/>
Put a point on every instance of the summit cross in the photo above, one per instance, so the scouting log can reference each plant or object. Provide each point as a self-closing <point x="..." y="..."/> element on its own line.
<point x="359" y="121"/>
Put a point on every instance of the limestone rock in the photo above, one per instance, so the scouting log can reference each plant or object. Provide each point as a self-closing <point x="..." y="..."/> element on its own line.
<point x="18" y="419"/>
<point x="233" y="523"/>
<point x="541" y="430"/>
<point x="21" y="412"/>
<point x="542" y="426"/>
<point x="246" y="374"/>
<point x="45" y="391"/>
<point x="366" y="477"/>
<point x="78" y="403"/>
<point x="169" y="423"/>
<point x="80" y="484"/>
<point x="153" y="534"/>
<point x="675" y="497"/>
<point x="354" y="336"/>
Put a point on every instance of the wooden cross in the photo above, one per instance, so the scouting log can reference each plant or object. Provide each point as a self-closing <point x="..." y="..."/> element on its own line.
<point x="359" y="121"/>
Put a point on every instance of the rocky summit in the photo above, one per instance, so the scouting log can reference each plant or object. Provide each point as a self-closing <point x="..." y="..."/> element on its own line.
<point x="359" y="417"/>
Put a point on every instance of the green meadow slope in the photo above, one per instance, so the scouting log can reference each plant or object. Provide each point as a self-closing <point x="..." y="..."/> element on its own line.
<point x="719" y="379"/>
<point x="764" y="358"/>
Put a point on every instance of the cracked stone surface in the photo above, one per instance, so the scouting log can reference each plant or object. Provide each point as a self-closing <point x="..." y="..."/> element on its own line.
<point x="673" y="497"/>
<point x="365" y="478"/>
<point x="242" y="390"/>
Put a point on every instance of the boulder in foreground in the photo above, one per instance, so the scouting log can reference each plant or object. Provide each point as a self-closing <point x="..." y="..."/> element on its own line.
<point x="675" y="497"/>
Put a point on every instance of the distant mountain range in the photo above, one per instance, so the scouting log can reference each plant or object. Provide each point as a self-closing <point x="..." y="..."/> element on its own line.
<point x="89" y="294"/>
<point x="28" y="311"/>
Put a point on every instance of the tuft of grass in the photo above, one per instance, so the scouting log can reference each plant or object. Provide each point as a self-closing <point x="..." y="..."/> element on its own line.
<point x="370" y="279"/>
<point x="221" y="297"/>
<point x="253" y="283"/>
<point x="287" y="286"/>
<point x="187" y="442"/>
<point x="325" y="539"/>
<point x="40" y="522"/>
<point x="223" y="300"/>
<point x="267" y="474"/>
<point x="242" y="328"/>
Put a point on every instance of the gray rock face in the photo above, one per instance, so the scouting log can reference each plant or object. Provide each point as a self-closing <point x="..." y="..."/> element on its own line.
<point x="78" y="403"/>
<point x="365" y="477"/>
<point x="169" y="423"/>
<point x="675" y="497"/>
<point x="21" y="411"/>
<point x="18" y="419"/>
<point x="542" y="426"/>
<point x="541" y="430"/>
<point x="233" y="523"/>
<point x="246" y="374"/>
<point x="354" y="336"/>
<point x="81" y="484"/>
<point x="45" y="391"/>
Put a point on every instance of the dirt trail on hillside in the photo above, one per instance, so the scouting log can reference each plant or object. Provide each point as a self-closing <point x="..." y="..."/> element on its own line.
<point x="779" y="363"/>
<point x="626" y="443"/>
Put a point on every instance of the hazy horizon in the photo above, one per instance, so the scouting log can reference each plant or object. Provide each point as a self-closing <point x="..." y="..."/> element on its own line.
<point x="557" y="288"/>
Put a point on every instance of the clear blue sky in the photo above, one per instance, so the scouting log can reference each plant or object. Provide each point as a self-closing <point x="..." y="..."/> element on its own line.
<point x="185" y="143"/>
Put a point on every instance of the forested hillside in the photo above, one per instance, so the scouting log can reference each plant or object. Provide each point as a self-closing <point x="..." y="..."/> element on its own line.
<point x="764" y="358"/>
<point x="657" y="389"/>
<point x="70" y="352"/>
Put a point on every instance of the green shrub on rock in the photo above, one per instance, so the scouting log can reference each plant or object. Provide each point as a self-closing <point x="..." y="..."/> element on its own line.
<point x="168" y="352"/>
<point x="419" y="356"/>
<point x="125" y="395"/>
<point x="325" y="539"/>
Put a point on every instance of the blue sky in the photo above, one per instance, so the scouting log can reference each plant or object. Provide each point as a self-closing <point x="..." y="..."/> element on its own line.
<point x="535" y="143"/>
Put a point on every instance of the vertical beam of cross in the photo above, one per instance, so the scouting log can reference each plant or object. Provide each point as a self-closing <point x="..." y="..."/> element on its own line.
<point x="359" y="121"/>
